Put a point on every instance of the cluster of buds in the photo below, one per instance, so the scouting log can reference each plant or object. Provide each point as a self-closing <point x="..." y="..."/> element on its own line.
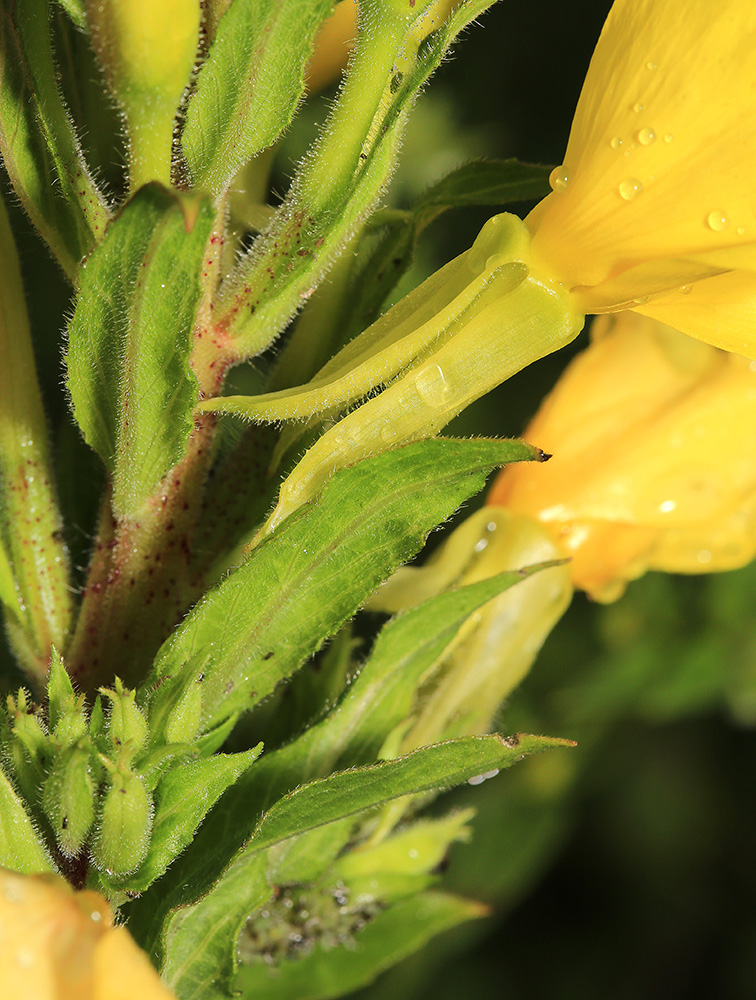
<point x="86" y="775"/>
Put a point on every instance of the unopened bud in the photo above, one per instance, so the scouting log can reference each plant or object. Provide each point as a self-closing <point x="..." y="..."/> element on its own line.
<point x="123" y="833"/>
<point x="127" y="726"/>
<point x="68" y="797"/>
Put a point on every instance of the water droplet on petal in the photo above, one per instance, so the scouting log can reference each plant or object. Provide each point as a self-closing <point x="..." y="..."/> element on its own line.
<point x="668" y="137"/>
<point x="630" y="188"/>
<point x="741" y="230"/>
<point x="667" y="506"/>
<point x="717" y="220"/>
<point x="686" y="289"/>
<point x="651" y="65"/>
<point x="431" y="385"/>
<point x="638" y="107"/>
<point x="558" y="178"/>
<point x="616" y="143"/>
<point x="646" y="136"/>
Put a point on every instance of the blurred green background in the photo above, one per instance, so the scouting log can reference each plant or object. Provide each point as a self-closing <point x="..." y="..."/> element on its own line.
<point x="623" y="868"/>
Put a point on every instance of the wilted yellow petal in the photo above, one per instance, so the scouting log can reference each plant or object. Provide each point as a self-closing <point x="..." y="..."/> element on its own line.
<point x="652" y="436"/>
<point x="657" y="187"/>
<point x="57" y="944"/>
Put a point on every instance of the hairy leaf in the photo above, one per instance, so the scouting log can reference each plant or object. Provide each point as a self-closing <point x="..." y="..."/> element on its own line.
<point x="39" y="148"/>
<point x="129" y="340"/>
<point x="304" y="581"/>
<point x="191" y="969"/>
<point x="21" y="849"/>
<point x="398" y="48"/>
<point x="249" y="85"/>
<point x="407" y="649"/>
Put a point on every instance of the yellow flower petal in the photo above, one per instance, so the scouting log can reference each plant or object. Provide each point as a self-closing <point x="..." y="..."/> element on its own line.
<point x="57" y="944"/>
<point x="659" y="165"/>
<point x="652" y="436"/>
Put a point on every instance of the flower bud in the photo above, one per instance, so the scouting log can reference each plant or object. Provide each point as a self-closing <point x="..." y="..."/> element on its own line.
<point x="651" y="435"/>
<point x="127" y="726"/>
<point x="125" y="824"/>
<point x="68" y="797"/>
<point x="147" y="51"/>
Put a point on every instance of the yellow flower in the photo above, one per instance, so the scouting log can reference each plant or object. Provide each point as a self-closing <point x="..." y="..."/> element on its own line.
<point x="57" y="944"/>
<point x="652" y="438"/>
<point x="657" y="187"/>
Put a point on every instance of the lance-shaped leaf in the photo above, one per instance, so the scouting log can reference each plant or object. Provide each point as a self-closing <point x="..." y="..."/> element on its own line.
<point x="37" y="140"/>
<point x="390" y="936"/>
<point x="300" y="585"/>
<point x="217" y="918"/>
<point x="249" y="85"/>
<point x="130" y="338"/>
<point x="21" y="849"/>
<point x="407" y="649"/>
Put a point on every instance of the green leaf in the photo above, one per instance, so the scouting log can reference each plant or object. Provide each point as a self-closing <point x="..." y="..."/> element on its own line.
<point x="392" y="935"/>
<point x="398" y="48"/>
<point x="39" y="148"/>
<point x="300" y="584"/>
<point x="21" y="850"/>
<point x="183" y="798"/>
<point x="130" y="337"/>
<point x="189" y="969"/>
<point x="75" y="10"/>
<point x="382" y="696"/>
<point x="249" y="85"/>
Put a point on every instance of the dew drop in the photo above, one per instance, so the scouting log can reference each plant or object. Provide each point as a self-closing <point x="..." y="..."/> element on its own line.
<point x="651" y="65"/>
<point x="638" y="107"/>
<point x="646" y="136"/>
<point x="686" y="289"/>
<point x="480" y="545"/>
<point x="717" y="220"/>
<point x="741" y="231"/>
<point x="630" y="188"/>
<point x="668" y="137"/>
<point x="667" y="506"/>
<point x="616" y="143"/>
<point x="704" y="556"/>
<point x="558" y="178"/>
<point x="432" y="386"/>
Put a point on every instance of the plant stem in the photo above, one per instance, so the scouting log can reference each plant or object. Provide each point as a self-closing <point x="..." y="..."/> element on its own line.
<point x="30" y="522"/>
